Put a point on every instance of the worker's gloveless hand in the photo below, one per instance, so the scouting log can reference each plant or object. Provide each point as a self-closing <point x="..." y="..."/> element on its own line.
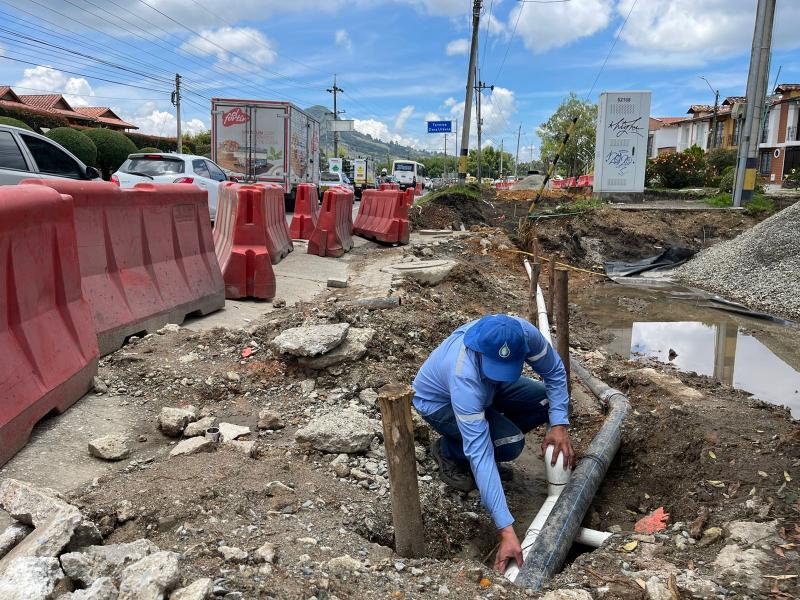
<point x="558" y="436"/>
<point x="508" y="550"/>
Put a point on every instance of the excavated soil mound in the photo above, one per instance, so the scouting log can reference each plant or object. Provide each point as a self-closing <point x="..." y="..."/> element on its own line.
<point x="452" y="210"/>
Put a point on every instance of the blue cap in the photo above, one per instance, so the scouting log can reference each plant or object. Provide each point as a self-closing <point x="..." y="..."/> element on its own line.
<point x="501" y="341"/>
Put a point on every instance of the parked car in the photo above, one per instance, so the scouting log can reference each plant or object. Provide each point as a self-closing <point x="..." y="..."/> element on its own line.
<point x="328" y="179"/>
<point x="173" y="168"/>
<point x="24" y="154"/>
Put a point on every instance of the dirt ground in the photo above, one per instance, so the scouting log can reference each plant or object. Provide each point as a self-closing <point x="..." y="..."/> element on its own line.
<point x="696" y="448"/>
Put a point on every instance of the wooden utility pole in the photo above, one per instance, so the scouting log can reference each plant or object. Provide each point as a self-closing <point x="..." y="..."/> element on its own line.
<point x="562" y="318"/>
<point x="473" y="59"/>
<point x="398" y="438"/>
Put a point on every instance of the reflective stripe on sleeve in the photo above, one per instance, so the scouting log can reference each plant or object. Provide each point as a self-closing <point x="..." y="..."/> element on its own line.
<point x="509" y="440"/>
<point x="540" y="355"/>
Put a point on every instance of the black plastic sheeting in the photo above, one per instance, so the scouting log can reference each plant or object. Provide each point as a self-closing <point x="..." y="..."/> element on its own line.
<point x="668" y="259"/>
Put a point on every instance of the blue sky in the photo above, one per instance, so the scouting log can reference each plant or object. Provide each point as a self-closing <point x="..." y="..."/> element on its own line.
<point x="400" y="62"/>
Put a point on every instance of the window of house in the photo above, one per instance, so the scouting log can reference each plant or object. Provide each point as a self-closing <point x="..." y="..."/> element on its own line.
<point x="765" y="164"/>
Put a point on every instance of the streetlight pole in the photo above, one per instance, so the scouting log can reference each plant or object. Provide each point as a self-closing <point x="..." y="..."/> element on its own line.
<point x="713" y="133"/>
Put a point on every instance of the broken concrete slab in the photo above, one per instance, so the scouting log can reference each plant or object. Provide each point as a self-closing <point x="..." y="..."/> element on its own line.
<point x="229" y="432"/>
<point x="337" y="282"/>
<point x="57" y="525"/>
<point x="11" y="536"/>
<point x="311" y="340"/>
<point x="31" y="578"/>
<point x="426" y="272"/>
<point x="246" y="448"/>
<point x="110" y="447"/>
<point x="346" y="431"/>
<point x="94" y="562"/>
<point x="192" y="445"/>
<point x="353" y="348"/>
<point x="199" y="427"/>
<point x="102" y="589"/>
<point x="150" y="577"/>
<point x="751" y="532"/>
<point x="202" y="589"/>
<point x="743" y="565"/>
<point x="172" y="421"/>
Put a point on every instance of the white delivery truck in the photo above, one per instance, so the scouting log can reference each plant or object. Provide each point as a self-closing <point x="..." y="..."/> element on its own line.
<point x="361" y="172"/>
<point x="267" y="141"/>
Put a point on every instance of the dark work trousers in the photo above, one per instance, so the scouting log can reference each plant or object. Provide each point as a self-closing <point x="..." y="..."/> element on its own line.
<point x="516" y="409"/>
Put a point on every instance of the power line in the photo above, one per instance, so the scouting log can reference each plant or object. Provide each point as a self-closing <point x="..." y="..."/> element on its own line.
<point x="486" y="34"/>
<point x="611" y="49"/>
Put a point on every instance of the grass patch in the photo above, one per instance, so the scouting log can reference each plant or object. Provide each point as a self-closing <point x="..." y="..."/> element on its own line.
<point x="760" y="205"/>
<point x="579" y="206"/>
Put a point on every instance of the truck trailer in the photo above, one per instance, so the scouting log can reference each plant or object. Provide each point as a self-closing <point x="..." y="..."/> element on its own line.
<point x="267" y="141"/>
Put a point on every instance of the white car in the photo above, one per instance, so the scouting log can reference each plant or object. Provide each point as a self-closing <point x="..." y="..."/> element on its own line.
<point x="328" y="179"/>
<point x="173" y="168"/>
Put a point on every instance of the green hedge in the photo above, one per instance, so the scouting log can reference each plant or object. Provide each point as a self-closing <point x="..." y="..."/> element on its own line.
<point x="76" y="142"/>
<point x="142" y="140"/>
<point x="15" y="123"/>
<point x="113" y="148"/>
<point x="149" y="149"/>
<point x="34" y="120"/>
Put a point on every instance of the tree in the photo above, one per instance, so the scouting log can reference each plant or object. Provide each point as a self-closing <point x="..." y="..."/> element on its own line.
<point x="112" y="149"/>
<point x="578" y="154"/>
<point x="76" y="142"/>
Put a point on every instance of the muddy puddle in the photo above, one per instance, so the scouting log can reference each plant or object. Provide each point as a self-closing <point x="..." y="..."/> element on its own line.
<point x="669" y="324"/>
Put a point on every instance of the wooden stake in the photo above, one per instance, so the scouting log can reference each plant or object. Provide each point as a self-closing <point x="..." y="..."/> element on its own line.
<point x="562" y="318"/>
<point x="533" y="305"/>
<point x="398" y="436"/>
<point x="551" y="287"/>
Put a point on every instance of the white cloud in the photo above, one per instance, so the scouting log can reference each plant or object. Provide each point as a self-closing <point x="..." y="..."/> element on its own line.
<point x="163" y="123"/>
<point x="546" y="26"/>
<point x="343" y="39"/>
<point x="402" y="117"/>
<point x="76" y="90"/>
<point x="459" y="46"/>
<point x="685" y="32"/>
<point x="497" y="111"/>
<point x="431" y="116"/>
<point x="441" y="8"/>
<point x="449" y="102"/>
<point x="236" y="48"/>
<point x="377" y="129"/>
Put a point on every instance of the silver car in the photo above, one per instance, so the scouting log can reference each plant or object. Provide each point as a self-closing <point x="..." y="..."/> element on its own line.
<point x="24" y="154"/>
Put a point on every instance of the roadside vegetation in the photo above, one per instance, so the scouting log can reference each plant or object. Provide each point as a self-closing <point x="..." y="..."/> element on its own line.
<point x="760" y="205"/>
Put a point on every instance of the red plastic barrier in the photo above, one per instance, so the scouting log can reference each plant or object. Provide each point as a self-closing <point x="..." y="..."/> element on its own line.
<point x="47" y="339"/>
<point x="569" y="183"/>
<point x="333" y="235"/>
<point x="557" y="184"/>
<point x="389" y="186"/>
<point x="409" y="197"/>
<point x="383" y="216"/>
<point x="306" y="212"/>
<point x="242" y="241"/>
<point x="279" y="242"/>
<point x="146" y="255"/>
<point x="418" y="190"/>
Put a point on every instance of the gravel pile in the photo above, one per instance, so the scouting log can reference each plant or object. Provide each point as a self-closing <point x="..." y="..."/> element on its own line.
<point x="760" y="268"/>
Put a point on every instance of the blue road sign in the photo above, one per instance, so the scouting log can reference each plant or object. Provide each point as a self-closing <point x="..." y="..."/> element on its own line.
<point x="440" y="126"/>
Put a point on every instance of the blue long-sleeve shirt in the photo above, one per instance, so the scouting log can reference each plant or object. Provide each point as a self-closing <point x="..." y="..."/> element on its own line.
<point x="452" y="375"/>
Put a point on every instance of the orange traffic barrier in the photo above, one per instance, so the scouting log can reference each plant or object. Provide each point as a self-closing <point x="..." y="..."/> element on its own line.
<point x="306" y="212"/>
<point x="418" y="190"/>
<point x="383" y="217"/>
<point x="409" y="197"/>
<point x="389" y="186"/>
<point x="279" y="241"/>
<point x="333" y="235"/>
<point x="146" y="255"/>
<point x="242" y="241"/>
<point x="47" y="340"/>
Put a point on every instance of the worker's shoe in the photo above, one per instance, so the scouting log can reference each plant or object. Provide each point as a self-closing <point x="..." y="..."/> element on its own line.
<point x="455" y="473"/>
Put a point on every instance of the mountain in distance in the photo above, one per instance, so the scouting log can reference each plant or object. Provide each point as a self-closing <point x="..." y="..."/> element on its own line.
<point x="359" y="144"/>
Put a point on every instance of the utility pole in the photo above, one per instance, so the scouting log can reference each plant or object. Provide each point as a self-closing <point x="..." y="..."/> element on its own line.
<point x="501" y="159"/>
<point x="473" y="57"/>
<point x="176" y="102"/>
<point x="445" y="156"/>
<point x="516" y="158"/>
<point x="713" y="131"/>
<point x="479" y="92"/>
<point x="335" y="90"/>
<point x="757" y="80"/>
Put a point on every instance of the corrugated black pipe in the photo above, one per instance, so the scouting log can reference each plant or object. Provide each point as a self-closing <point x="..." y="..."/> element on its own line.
<point x="550" y="549"/>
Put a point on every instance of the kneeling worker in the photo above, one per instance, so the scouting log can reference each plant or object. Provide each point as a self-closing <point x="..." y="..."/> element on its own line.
<point x="471" y="391"/>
